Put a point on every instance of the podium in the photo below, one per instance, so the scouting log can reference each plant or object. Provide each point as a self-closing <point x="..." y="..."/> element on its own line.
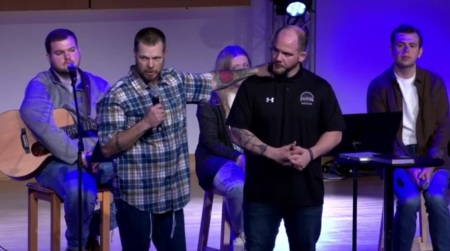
<point x="388" y="201"/>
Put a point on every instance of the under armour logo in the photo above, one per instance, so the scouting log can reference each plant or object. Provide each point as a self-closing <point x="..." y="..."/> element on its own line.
<point x="271" y="100"/>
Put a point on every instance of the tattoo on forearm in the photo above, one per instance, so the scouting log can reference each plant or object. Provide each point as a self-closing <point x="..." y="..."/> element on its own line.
<point x="247" y="140"/>
<point x="226" y="78"/>
<point x="262" y="148"/>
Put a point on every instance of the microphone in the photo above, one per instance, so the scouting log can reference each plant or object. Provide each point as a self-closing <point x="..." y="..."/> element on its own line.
<point x="424" y="184"/>
<point x="154" y="94"/>
<point x="72" y="68"/>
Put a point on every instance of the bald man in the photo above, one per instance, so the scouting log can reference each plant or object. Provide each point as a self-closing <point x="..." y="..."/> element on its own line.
<point x="285" y="124"/>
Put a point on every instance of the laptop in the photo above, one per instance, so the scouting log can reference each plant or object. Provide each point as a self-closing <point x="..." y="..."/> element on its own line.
<point x="368" y="134"/>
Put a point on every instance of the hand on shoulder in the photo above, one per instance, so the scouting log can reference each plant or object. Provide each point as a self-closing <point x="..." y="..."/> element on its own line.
<point x="264" y="70"/>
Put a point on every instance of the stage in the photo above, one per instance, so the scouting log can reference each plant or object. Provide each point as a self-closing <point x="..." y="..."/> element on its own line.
<point x="336" y="225"/>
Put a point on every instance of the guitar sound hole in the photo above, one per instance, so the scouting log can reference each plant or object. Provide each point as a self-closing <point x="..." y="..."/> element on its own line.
<point x="38" y="150"/>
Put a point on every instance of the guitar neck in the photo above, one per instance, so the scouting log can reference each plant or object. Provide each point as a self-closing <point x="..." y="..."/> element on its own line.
<point x="72" y="130"/>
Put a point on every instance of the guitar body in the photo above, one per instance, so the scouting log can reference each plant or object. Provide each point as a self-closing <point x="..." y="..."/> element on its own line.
<point x="21" y="155"/>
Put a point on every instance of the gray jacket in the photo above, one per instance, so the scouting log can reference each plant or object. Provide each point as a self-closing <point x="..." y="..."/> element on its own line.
<point x="43" y="95"/>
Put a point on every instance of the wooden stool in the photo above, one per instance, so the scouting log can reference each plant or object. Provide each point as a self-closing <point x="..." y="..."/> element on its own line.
<point x="37" y="192"/>
<point x="420" y="243"/>
<point x="225" y="232"/>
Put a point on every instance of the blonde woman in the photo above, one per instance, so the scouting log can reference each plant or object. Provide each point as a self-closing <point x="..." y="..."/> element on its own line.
<point x="220" y="165"/>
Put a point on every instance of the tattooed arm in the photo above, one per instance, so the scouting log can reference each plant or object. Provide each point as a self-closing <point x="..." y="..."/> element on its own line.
<point x="247" y="140"/>
<point x="224" y="79"/>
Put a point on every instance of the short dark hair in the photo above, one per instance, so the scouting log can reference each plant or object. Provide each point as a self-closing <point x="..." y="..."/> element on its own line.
<point x="149" y="36"/>
<point x="407" y="29"/>
<point x="58" y="35"/>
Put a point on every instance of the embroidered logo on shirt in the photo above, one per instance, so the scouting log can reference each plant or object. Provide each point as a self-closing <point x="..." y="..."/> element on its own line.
<point x="306" y="98"/>
<point x="271" y="100"/>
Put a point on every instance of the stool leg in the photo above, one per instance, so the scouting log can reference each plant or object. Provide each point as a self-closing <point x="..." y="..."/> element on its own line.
<point x="424" y="239"/>
<point x="381" y="238"/>
<point x="32" y="222"/>
<point x="105" y="209"/>
<point x="423" y="221"/>
<point x="205" y="221"/>
<point x="55" y="219"/>
<point x="225" y="231"/>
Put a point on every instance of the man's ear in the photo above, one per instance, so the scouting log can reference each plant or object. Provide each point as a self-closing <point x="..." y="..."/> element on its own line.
<point x="302" y="56"/>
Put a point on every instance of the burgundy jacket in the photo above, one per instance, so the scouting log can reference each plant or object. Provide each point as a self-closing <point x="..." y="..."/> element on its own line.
<point x="433" y="122"/>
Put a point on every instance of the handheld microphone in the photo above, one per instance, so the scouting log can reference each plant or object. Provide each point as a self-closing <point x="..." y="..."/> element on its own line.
<point x="424" y="184"/>
<point x="72" y="68"/>
<point x="154" y="94"/>
<point x="155" y="99"/>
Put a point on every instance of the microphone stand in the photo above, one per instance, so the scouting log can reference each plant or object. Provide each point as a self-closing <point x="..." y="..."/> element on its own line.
<point x="73" y="77"/>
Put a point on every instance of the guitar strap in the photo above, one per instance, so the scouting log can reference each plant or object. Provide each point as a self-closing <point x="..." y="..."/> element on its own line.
<point x="86" y="82"/>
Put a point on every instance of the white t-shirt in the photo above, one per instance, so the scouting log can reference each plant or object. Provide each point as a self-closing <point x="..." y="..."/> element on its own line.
<point x="410" y="108"/>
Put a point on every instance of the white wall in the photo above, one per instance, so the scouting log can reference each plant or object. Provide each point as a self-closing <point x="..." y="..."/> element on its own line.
<point x="194" y="38"/>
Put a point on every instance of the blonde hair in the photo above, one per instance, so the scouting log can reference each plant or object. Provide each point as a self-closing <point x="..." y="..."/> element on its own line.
<point x="223" y="63"/>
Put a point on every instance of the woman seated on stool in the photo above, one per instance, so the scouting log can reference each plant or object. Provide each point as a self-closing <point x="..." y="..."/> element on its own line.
<point x="220" y="164"/>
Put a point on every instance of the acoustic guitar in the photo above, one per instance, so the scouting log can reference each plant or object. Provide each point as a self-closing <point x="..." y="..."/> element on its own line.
<point x="21" y="155"/>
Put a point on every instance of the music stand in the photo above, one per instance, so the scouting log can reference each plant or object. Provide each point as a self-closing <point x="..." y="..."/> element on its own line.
<point x="366" y="132"/>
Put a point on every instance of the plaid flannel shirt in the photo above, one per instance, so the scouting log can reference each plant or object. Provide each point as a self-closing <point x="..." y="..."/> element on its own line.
<point x="154" y="174"/>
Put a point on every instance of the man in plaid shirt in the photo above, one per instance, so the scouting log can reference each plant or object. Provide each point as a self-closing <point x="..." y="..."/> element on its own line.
<point x="142" y="124"/>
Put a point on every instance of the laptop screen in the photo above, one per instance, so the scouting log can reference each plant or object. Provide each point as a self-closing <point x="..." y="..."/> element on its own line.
<point x="365" y="132"/>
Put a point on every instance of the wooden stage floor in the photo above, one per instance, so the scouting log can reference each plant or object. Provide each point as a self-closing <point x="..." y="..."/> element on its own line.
<point x="336" y="226"/>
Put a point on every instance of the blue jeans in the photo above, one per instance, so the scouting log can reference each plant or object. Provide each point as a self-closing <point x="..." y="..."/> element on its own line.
<point x="63" y="179"/>
<point x="137" y="228"/>
<point x="261" y="223"/>
<point x="229" y="180"/>
<point x="408" y="204"/>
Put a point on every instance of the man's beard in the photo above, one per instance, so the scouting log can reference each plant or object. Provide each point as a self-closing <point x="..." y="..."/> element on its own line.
<point x="61" y="72"/>
<point x="283" y="73"/>
<point x="146" y="78"/>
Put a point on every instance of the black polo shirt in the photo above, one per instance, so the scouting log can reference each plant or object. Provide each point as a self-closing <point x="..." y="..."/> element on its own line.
<point x="279" y="111"/>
